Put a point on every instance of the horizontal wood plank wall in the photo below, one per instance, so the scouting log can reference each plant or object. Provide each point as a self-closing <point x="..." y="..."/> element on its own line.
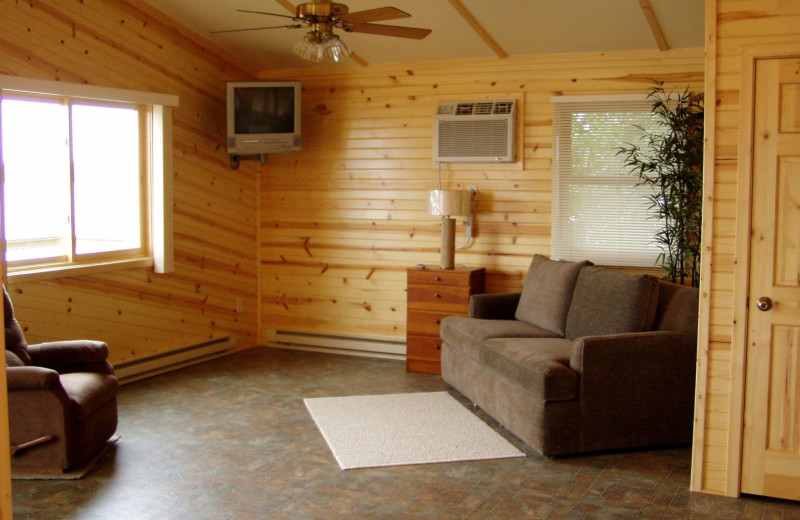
<point x="738" y="23"/>
<point x="343" y="219"/>
<point x="123" y="44"/>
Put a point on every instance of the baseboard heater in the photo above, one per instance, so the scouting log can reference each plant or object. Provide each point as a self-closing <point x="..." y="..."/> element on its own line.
<point x="338" y="344"/>
<point x="149" y="366"/>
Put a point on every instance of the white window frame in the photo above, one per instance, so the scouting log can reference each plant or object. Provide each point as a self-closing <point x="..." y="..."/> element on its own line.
<point x="640" y="249"/>
<point x="159" y="167"/>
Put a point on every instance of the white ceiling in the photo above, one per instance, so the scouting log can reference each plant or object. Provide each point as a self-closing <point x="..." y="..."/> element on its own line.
<point x="519" y="27"/>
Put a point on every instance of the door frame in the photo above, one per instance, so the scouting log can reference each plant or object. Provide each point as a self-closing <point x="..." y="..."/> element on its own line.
<point x="741" y="276"/>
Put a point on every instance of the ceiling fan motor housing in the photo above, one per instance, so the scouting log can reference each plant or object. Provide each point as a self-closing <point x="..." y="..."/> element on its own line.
<point x="320" y="11"/>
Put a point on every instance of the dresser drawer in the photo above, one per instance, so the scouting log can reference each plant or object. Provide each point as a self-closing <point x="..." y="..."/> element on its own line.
<point x="424" y="347"/>
<point x="438" y="298"/>
<point x="459" y="276"/>
<point x="421" y="323"/>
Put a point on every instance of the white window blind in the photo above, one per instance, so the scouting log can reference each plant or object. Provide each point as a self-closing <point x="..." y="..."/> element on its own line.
<point x="599" y="213"/>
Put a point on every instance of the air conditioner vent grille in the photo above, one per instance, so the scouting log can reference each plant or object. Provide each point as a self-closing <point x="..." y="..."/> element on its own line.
<point x="473" y="138"/>
<point x="464" y="109"/>
<point x="484" y="108"/>
<point x="504" y="107"/>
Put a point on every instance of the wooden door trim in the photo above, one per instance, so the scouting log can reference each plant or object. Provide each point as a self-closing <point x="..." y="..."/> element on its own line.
<point x="697" y="482"/>
<point x="741" y="275"/>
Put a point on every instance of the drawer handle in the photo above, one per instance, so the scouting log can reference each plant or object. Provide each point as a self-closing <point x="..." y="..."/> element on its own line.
<point x="437" y="295"/>
<point x="438" y="322"/>
<point x="437" y="347"/>
<point x="437" y="278"/>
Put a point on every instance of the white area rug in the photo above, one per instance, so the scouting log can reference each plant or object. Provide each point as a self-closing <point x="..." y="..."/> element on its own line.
<point x="398" y="429"/>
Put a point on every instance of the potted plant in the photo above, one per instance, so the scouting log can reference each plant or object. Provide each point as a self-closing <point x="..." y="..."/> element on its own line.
<point x="670" y="161"/>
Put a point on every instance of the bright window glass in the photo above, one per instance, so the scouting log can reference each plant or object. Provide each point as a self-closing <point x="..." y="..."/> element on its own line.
<point x="107" y="178"/>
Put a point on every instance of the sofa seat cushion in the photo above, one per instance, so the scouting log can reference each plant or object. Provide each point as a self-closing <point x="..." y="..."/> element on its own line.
<point x="467" y="334"/>
<point x="88" y="391"/>
<point x="611" y="302"/>
<point x="547" y="293"/>
<point x="540" y="365"/>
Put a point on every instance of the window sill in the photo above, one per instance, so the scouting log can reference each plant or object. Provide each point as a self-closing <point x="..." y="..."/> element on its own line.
<point x="28" y="274"/>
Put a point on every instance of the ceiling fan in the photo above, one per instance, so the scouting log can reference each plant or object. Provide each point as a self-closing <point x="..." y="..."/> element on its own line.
<point x="323" y="16"/>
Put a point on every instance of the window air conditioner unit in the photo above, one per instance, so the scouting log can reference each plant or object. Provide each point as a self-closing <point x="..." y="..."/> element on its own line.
<point x="475" y="131"/>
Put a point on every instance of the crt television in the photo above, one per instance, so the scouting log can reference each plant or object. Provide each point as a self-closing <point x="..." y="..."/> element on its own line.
<point x="263" y="117"/>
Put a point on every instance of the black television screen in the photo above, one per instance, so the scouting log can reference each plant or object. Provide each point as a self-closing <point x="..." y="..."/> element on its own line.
<point x="263" y="110"/>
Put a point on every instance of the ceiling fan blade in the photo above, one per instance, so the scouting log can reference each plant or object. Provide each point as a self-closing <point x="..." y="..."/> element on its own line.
<point x="264" y="12"/>
<point x="296" y="26"/>
<point x="390" y="30"/>
<point x="373" y="15"/>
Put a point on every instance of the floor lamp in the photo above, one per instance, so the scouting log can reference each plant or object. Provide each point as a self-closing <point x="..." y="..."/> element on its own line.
<point x="448" y="204"/>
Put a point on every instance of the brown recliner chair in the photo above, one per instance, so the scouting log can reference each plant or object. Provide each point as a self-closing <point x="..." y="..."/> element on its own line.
<point x="62" y="399"/>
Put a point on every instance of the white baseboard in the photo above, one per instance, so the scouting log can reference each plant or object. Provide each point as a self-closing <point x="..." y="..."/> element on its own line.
<point x="386" y="348"/>
<point x="149" y="366"/>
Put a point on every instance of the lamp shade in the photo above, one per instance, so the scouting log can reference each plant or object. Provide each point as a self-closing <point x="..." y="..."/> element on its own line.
<point x="450" y="202"/>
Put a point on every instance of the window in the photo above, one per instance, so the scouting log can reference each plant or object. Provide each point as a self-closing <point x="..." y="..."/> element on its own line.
<point x="83" y="171"/>
<point x="599" y="213"/>
<point x="74" y="180"/>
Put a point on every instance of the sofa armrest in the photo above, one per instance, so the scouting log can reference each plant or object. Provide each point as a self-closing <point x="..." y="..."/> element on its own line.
<point x="72" y="356"/>
<point x="635" y="389"/>
<point x="494" y="306"/>
<point x="24" y="378"/>
<point x="656" y="350"/>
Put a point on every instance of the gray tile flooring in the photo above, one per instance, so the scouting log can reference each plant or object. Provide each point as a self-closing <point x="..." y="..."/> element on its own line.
<point x="231" y="440"/>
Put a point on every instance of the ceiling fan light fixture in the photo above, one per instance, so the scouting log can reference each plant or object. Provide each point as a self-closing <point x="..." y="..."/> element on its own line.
<point x="317" y="45"/>
<point x="309" y="48"/>
<point x="335" y="49"/>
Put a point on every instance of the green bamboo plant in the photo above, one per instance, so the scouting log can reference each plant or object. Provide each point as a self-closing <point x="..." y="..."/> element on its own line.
<point x="670" y="162"/>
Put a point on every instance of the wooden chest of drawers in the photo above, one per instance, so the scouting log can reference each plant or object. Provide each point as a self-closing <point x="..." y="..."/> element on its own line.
<point x="434" y="293"/>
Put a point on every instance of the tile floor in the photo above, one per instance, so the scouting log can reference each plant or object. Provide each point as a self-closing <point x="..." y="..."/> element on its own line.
<point x="231" y="440"/>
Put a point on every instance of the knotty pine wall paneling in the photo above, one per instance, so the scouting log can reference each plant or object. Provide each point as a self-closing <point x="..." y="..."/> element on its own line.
<point x="732" y="25"/>
<point x="343" y="219"/>
<point x="125" y="44"/>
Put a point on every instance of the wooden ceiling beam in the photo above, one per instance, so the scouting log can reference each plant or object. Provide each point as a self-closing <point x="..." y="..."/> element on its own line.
<point x="478" y="28"/>
<point x="292" y="9"/>
<point x="647" y="9"/>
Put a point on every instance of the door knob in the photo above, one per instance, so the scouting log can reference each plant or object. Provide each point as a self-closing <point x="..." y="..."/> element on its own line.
<point x="764" y="303"/>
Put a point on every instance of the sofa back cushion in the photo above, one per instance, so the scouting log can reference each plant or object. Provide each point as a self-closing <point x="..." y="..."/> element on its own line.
<point x="677" y="308"/>
<point x="611" y="302"/>
<point x="547" y="293"/>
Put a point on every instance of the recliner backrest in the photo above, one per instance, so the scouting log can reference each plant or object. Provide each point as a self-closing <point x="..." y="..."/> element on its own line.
<point x="15" y="339"/>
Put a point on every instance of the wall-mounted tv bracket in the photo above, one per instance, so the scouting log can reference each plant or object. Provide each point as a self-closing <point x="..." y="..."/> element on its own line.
<point x="262" y="158"/>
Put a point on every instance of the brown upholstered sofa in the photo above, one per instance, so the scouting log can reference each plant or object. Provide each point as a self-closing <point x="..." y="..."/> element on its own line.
<point x="62" y="399"/>
<point x="583" y="359"/>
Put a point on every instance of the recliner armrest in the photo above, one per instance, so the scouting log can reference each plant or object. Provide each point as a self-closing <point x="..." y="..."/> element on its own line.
<point x="500" y="306"/>
<point x="31" y="378"/>
<point x="72" y="356"/>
